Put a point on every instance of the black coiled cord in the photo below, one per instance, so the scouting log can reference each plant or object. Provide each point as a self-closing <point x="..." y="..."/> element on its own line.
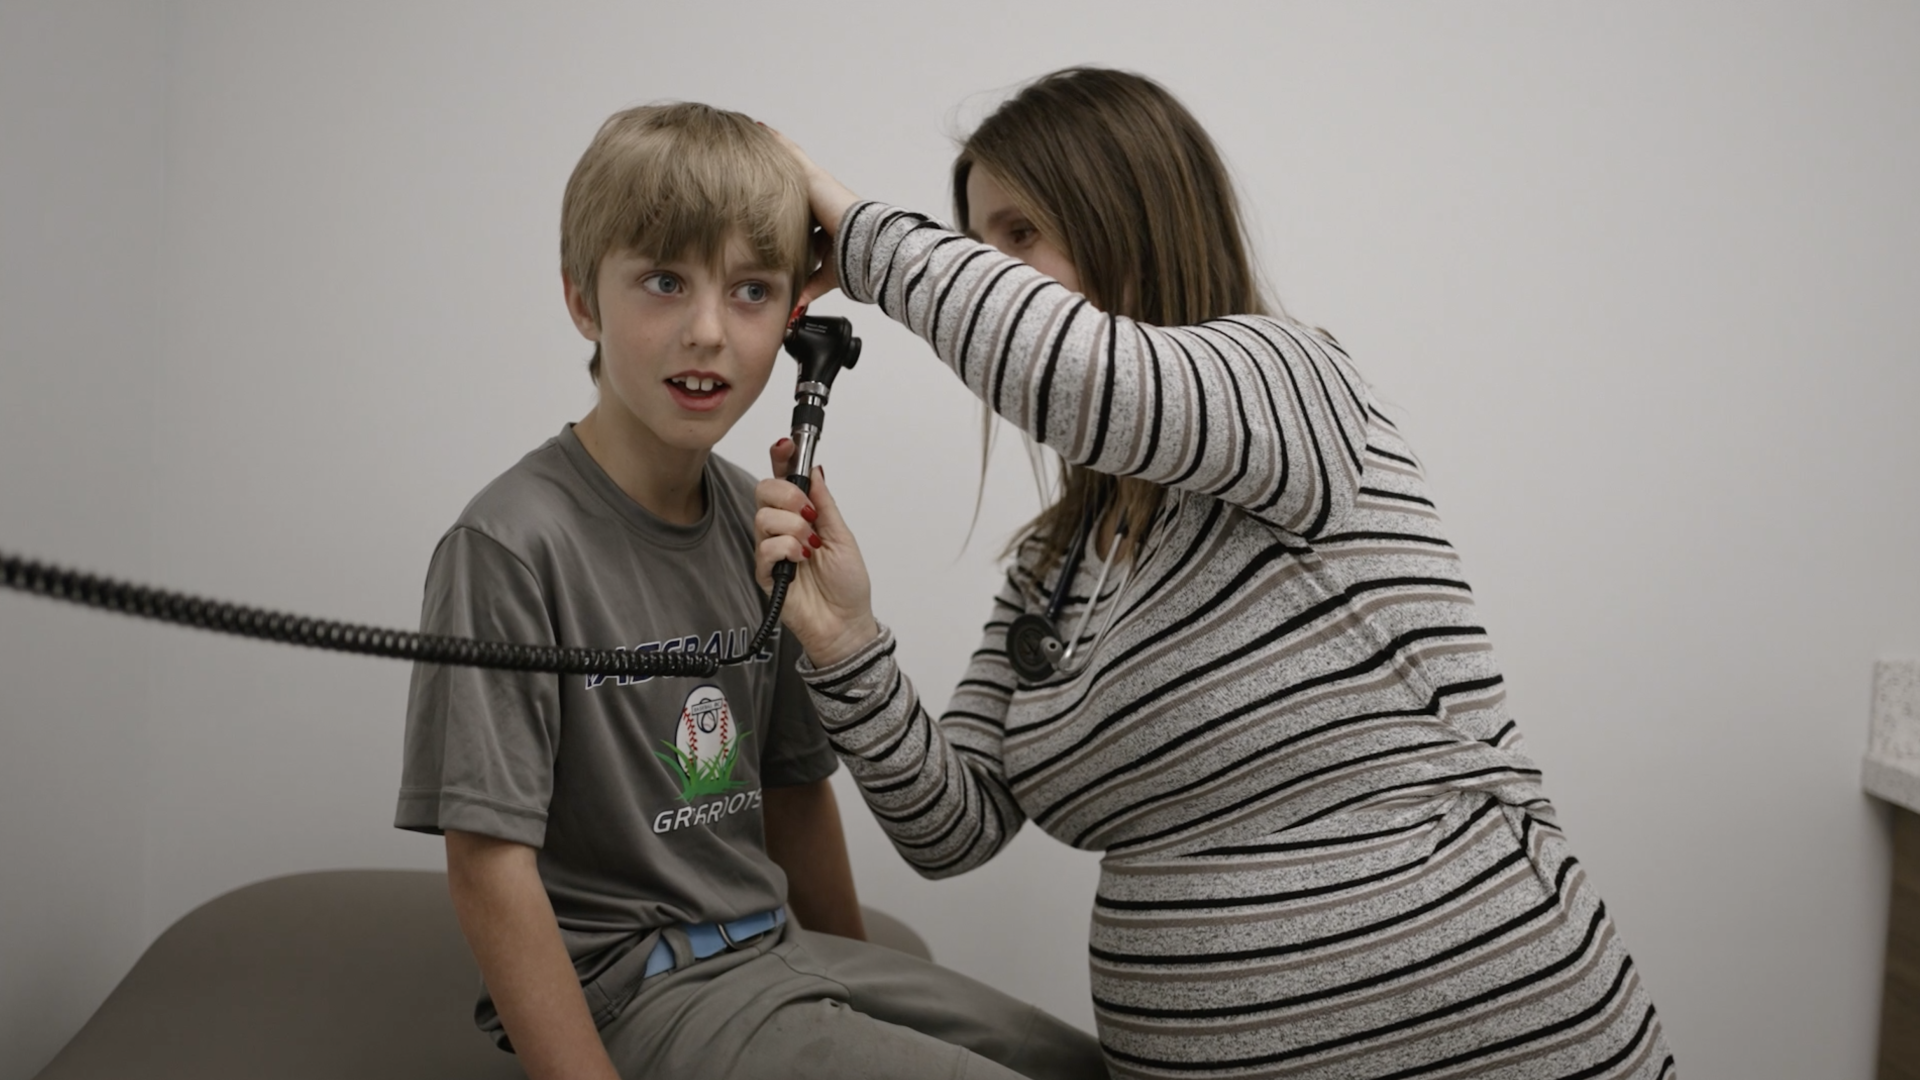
<point x="142" y="601"/>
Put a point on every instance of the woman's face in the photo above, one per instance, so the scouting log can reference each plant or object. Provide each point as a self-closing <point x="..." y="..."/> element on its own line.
<point x="995" y="220"/>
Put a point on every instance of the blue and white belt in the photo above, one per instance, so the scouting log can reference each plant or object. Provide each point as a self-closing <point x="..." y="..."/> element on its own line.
<point x="711" y="938"/>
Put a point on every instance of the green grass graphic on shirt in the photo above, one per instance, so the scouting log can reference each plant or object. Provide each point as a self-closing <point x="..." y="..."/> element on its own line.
<point x="699" y="778"/>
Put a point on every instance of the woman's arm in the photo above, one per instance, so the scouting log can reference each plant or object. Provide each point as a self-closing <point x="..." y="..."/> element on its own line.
<point x="1256" y="411"/>
<point x="509" y="925"/>
<point x="1252" y="410"/>
<point x="805" y="838"/>
<point x="938" y="789"/>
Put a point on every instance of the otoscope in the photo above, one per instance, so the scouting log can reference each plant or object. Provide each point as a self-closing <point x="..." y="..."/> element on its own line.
<point x="824" y="346"/>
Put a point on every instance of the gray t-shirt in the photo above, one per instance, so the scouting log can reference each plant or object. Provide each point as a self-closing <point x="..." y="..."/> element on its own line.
<point x="642" y="795"/>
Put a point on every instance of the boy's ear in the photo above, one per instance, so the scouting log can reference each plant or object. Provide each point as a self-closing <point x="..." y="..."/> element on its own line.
<point x="580" y="309"/>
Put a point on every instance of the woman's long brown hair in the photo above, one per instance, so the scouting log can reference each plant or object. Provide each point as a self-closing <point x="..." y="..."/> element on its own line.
<point x="1119" y="175"/>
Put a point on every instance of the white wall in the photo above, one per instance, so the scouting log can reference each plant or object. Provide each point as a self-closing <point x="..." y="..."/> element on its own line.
<point x="81" y="169"/>
<point x="1633" y="275"/>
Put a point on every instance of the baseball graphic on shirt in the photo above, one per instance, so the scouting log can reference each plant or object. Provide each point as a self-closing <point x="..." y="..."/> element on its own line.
<point x="705" y="734"/>
<point x="705" y="746"/>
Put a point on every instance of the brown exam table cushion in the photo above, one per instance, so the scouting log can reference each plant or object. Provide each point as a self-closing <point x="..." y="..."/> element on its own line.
<point x="332" y="975"/>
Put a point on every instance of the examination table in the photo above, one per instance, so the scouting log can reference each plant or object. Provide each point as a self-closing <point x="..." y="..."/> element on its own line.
<point x="334" y="975"/>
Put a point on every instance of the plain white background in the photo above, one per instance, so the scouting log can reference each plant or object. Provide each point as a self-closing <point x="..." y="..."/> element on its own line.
<point x="278" y="293"/>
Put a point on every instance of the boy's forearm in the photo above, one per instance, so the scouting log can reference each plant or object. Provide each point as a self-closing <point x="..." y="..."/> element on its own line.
<point x="509" y="925"/>
<point x="805" y="838"/>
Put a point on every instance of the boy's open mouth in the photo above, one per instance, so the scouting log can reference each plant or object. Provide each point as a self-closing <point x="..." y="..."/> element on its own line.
<point x="695" y="390"/>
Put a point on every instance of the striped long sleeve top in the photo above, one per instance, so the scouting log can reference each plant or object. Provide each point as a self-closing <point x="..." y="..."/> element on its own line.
<point x="1295" y="639"/>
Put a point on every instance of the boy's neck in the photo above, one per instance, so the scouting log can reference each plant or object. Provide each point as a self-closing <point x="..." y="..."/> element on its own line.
<point x="664" y="480"/>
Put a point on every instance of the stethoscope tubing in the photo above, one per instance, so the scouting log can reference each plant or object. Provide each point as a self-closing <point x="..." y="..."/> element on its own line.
<point x="1065" y="667"/>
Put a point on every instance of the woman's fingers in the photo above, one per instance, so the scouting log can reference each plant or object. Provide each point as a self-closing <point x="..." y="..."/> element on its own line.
<point x="774" y="550"/>
<point x="782" y="495"/>
<point x="824" y="280"/>
<point x="782" y="521"/>
<point x="779" y="549"/>
<point x="829" y="197"/>
<point x="827" y="520"/>
<point x="778" y="493"/>
<point x="829" y="607"/>
<point x="780" y="455"/>
<point x="769" y="522"/>
<point x="786" y="510"/>
<point x="830" y="200"/>
<point x="826" y="272"/>
<point x="791" y="147"/>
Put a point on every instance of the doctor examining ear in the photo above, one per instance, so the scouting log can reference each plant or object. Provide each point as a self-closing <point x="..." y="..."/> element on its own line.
<point x="1237" y="655"/>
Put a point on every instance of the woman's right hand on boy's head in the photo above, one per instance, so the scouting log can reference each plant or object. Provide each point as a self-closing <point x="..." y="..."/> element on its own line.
<point x="829" y="199"/>
<point x="829" y="605"/>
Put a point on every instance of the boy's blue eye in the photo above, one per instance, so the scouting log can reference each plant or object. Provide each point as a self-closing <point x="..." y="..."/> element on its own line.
<point x="753" y="292"/>
<point x="662" y="282"/>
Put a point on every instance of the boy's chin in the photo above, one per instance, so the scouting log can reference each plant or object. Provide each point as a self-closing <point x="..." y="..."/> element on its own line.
<point x="692" y="442"/>
<point x="700" y="435"/>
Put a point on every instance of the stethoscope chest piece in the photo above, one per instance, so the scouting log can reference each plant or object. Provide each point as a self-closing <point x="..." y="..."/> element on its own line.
<point x="1034" y="647"/>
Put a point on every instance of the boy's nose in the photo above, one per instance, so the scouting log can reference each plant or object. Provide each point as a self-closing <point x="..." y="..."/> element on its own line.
<point x="705" y="327"/>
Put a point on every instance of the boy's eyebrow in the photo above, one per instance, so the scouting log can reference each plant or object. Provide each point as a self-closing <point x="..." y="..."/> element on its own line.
<point x="751" y="266"/>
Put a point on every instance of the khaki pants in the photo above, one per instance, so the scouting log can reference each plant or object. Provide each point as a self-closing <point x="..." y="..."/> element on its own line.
<point x="796" y="1004"/>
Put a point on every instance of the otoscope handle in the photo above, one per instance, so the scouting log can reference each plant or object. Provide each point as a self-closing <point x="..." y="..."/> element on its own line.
<point x="783" y="570"/>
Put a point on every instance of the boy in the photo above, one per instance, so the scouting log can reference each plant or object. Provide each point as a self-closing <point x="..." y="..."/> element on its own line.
<point x="624" y="853"/>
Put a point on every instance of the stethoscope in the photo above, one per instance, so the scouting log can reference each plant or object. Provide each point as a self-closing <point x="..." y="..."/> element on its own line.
<point x="1034" y="646"/>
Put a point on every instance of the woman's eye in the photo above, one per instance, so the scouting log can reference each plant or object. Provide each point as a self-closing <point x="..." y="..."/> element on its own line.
<point x="663" y="283"/>
<point x="753" y="292"/>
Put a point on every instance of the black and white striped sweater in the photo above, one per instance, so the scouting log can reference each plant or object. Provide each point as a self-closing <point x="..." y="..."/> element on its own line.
<point x="1325" y="855"/>
<point x="1297" y="637"/>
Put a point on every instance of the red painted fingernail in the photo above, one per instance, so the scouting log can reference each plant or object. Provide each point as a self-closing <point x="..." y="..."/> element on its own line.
<point x="814" y="539"/>
<point x="810" y="513"/>
<point x="805" y="553"/>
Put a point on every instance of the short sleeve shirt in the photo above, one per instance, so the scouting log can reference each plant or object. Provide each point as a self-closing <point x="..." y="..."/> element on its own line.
<point x="642" y="795"/>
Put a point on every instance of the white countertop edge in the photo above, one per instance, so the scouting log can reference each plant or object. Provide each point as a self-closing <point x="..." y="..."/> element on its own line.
<point x="1896" y="780"/>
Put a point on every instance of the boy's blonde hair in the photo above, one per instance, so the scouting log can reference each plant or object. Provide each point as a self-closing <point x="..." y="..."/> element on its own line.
<point x="681" y="179"/>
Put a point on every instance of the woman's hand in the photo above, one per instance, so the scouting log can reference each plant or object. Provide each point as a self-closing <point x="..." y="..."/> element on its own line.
<point x="829" y="200"/>
<point x="829" y="605"/>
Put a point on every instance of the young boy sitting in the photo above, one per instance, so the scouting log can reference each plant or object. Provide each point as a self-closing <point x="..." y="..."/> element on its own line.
<point x="629" y="857"/>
